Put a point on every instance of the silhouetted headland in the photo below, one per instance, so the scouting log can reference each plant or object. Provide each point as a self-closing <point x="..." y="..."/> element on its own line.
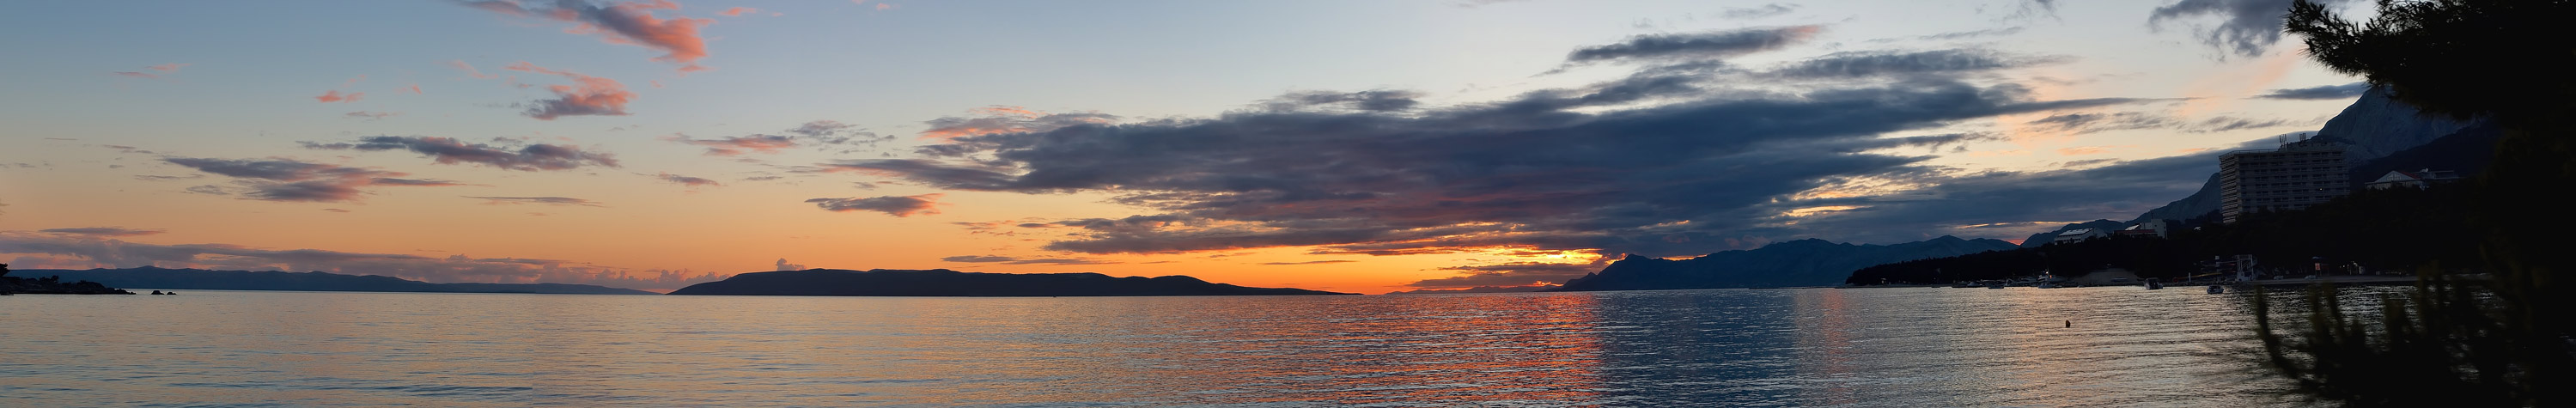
<point x="52" y="285"/>
<point x="159" y="278"/>
<point x="943" y="282"/>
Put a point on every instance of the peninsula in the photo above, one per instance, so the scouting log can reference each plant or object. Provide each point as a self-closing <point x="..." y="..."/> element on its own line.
<point x="163" y="278"/>
<point x="943" y="282"/>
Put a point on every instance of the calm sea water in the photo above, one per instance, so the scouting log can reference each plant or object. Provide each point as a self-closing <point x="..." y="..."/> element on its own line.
<point x="1805" y="347"/>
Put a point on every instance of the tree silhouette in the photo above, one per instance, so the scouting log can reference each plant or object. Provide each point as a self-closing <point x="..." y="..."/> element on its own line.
<point x="2500" y="341"/>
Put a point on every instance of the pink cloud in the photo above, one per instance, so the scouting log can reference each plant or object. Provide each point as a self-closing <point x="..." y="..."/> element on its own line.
<point x="163" y="69"/>
<point x="469" y="69"/>
<point x="592" y="96"/>
<point x="737" y="11"/>
<point x="628" y="23"/>
<point x="414" y="89"/>
<point x="336" y="96"/>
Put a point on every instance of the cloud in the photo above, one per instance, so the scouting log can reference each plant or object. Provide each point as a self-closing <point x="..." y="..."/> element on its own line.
<point x="1962" y="35"/>
<point x="509" y="155"/>
<point x="899" y="206"/>
<point x="782" y="262"/>
<point x="592" y="96"/>
<point x="1766" y="10"/>
<point x="1712" y="44"/>
<point x="2321" y="93"/>
<point x="1009" y="119"/>
<point x="625" y="23"/>
<point x="1023" y="261"/>
<point x="76" y="252"/>
<point x="370" y="115"/>
<point x="536" y="200"/>
<point x="336" y="96"/>
<point x="290" y="180"/>
<point x="1330" y="261"/>
<point x="1525" y="172"/>
<point x="2245" y="28"/>
<point x="469" y="69"/>
<point x="157" y="71"/>
<point x="1508" y="274"/>
<point x="1879" y="63"/>
<point x="104" y="231"/>
<point x="729" y="146"/>
<point x="1373" y="101"/>
<point x="2084" y="123"/>
<point x="737" y="11"/>
<point x="688" y="181"/>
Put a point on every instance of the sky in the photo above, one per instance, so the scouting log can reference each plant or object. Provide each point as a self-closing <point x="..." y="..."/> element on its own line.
<point x="1358" y="146"/>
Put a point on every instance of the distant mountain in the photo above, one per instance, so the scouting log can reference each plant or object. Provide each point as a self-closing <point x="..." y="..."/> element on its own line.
<point x="158" y="278"/>
<point x="2379" y="134"/>
<point x="2043" y="238"/>
<point x="943" y="282"/>
<point x="1806" y="262"/>
<point x="1478" y="289"/>
<point x="2376" y="126"/>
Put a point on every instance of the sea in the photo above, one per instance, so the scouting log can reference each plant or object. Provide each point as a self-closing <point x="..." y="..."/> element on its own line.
<point x="1898" y="347"/>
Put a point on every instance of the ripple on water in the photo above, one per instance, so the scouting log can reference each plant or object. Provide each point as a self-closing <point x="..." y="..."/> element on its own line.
<point x="1884" y="347"/>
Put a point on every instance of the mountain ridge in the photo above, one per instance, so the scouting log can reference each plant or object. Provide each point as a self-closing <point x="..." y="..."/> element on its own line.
<point x="943" y="282"/>
<point x="1804" y="262"/>
<point x="164" y="278"/>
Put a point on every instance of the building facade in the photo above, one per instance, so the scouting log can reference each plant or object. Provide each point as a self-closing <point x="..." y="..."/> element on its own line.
<point x="2295" y="176"/>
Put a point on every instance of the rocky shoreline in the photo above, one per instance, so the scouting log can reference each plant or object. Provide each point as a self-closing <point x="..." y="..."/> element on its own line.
<point x="51" y="285"/>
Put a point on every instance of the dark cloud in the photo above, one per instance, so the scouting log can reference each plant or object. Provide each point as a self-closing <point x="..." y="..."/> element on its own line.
<point x="2245" y="27"/>
<point x="104" y="231"/>
<point x="1962" y="35"/>
<point x="536" y="200"/>
<point x="1880" y="63"/>
<point x="1024" y="261"/>
<point x="2083" y="123"/>
<point x="509" y="154"/>
<point x="1373" y="101"/>
<point x="81" y="251"/>
<point x="736" y="145"/>
<point x="822" y="134"/>
<point x="1766" y="10"/>
<point x="290" y="180"/>
<point x="899" y="206"/>
<point x="1508" y="274"/>
<point x="687" y="181"/>
<point x="1712" y="44"/>
<point x="2328" y="92"/>
<point x="1527" y="172"/>
<point x="1009" y="119"/>
<point x="1333" y="261"/>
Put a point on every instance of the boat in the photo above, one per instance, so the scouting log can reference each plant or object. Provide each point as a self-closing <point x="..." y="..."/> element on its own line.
<point x="2217" y="289"/>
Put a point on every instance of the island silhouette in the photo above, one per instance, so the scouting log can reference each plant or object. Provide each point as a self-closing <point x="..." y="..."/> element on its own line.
<point x="943" y="282"/>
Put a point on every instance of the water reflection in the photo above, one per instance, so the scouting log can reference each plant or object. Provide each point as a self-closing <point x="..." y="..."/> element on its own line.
<point x="1889" y="347"/>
